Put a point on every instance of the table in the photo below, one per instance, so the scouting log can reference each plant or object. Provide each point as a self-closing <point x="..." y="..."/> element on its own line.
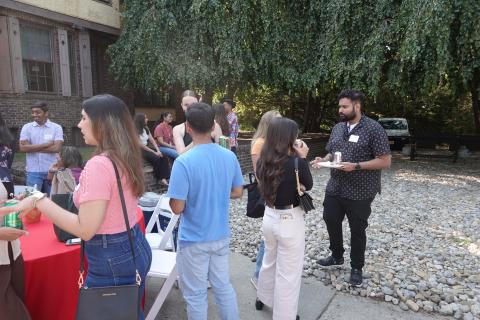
<point x="51" y="272"/>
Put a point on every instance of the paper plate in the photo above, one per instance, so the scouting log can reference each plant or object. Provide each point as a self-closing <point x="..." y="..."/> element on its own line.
<point x="328" y="164"/>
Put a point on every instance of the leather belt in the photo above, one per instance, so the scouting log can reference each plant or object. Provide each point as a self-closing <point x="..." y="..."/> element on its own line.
<point x="290" y="206"/>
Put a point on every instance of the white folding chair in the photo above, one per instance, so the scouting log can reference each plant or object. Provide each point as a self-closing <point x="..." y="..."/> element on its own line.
<point x="157" y="240"/>
<point x="163" y="266"/>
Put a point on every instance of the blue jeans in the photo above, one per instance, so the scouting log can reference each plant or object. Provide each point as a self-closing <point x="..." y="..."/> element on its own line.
<point x="36" y="178"/>
<point x="260" y="253"/>
<point x="199" y="263"/>
<point x="110" y="261"/>
<point x="169" y="152"/>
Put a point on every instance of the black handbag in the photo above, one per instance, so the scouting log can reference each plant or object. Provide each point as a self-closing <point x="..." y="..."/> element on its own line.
<point x="116" y="302"/>
<point x="306" y="201"/>
<point x="64" y="200"/>
<point x="255" y="202"/>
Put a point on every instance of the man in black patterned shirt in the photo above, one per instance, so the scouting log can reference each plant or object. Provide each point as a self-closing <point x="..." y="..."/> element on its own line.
<point x="353" y="186"/>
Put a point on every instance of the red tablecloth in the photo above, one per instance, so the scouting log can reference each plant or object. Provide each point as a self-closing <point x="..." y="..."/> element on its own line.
<point x="51" y="272"/>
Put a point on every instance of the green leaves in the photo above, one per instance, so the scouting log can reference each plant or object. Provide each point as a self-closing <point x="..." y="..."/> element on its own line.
<point x="393" y="50"/>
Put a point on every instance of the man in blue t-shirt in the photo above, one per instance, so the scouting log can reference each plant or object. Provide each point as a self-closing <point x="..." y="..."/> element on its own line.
<point x="202" y="182"/>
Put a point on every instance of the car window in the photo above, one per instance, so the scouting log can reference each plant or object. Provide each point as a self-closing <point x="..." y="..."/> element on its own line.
<point x="394" y="124"/>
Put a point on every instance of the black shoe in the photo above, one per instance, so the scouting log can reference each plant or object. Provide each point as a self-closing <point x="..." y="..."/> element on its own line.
<point x="258" y="304"/>
<point x="356" y="277"/>
<point x="330" y="261"/>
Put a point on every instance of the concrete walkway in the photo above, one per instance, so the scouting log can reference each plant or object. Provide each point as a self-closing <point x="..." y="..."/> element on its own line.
<point x="317" y="301"/>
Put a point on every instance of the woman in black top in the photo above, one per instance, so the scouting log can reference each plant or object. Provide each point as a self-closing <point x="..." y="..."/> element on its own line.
<point x="283" y="224"/>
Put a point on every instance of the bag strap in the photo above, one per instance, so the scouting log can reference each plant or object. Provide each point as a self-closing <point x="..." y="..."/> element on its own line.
<point x="298" y="179"/>
<point x="138" y="279"/>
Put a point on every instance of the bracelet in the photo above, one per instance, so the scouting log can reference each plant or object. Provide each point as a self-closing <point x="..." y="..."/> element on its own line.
<point x="36" y="197"/>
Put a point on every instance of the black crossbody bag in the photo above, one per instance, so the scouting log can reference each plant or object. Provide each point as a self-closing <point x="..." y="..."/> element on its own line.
<point x="306" y="201"/>
<point x="255" y="202"/>
<point x="116" y="302"/>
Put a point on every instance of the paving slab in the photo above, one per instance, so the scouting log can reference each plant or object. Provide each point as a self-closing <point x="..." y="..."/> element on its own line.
<point x="317" y="301"/>
<point x="314" y="297"/>
<point x="348" y="307"/>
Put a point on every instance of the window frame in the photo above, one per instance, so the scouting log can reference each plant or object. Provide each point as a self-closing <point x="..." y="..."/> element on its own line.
<point x="72" y="64"/>
<point x="52" y="56"/>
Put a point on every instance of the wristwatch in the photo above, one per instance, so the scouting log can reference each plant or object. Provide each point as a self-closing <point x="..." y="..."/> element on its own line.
<point x="37" y="195"/>
<point x="358" y="166"/>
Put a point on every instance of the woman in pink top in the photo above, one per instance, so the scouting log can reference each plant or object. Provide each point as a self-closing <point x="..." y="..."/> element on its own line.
<point x="106" y="123"/>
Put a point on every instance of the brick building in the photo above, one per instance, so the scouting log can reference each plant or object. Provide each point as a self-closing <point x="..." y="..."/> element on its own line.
<point x="55" y="51"/>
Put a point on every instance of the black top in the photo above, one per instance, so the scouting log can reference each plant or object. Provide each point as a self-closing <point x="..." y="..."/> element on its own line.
<point x="372" y="142"/>
<point x="187" y="139"/>
<point x="287" y="190"/>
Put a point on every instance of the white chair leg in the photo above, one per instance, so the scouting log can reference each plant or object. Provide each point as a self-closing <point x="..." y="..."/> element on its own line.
<point x="162" y="295"/>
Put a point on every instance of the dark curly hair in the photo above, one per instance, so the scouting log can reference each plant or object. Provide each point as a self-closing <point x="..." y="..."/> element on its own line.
<point x="281" y="135"/>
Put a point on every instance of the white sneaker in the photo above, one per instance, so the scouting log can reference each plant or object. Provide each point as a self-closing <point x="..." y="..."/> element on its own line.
<point x="254" y="282"/>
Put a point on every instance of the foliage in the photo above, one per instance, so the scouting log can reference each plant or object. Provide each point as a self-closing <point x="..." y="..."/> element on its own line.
<point x="414" y="58"/>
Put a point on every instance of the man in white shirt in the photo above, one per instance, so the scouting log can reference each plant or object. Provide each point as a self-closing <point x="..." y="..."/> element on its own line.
<point x="40" y="140"/>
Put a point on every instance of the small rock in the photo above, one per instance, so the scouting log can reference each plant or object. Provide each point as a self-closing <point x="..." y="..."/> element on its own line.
<point x="363" y="293"/>
<point x="412" y="305"/>
<point x="468" y="316"/>
<point x="446" y="310"/>
<point x="403" y="306"/>
<point x="395" y="301"/>
<point x="428" y="307"/>
<point x="388" y="298"/>
<point x="387" y="291"/>
<point x="339" y="287"/>
<point x="475" y="309"/>
<point x="412" y="287"/>
<point x="458" y="314"/>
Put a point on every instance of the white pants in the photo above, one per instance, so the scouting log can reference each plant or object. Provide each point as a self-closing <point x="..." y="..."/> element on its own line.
<point x="281" y="273"/>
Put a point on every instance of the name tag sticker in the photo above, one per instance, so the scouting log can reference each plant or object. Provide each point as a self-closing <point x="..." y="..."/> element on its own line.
<point x="48" y="137"/>
<point x="353" y="138"/>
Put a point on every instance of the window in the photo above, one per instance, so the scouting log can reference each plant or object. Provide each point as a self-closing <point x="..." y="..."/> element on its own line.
<point x="72" y="64"/>
<point x="37" y="58"/>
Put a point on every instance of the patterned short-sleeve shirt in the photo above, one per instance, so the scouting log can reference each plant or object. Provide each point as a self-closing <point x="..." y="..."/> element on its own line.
<point x="366" y="141"/>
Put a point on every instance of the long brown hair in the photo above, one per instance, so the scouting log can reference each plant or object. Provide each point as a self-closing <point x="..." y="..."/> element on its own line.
<point x="281" y="135"/>
<point x="221" y="118"/>
<point x="113" y="128"/>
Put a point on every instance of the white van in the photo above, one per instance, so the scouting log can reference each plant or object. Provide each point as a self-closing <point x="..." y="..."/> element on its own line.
<point x="397" y="131"/>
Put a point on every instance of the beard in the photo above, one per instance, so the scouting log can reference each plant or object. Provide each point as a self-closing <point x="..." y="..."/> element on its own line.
<point x="347" y="117"/>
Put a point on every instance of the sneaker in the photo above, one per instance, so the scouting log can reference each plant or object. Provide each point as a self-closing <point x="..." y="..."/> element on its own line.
<point x="330" y="261"/>
<point x="254" y="282"/>
<point x="356" y="277"/>
<point x="258" y="304"/>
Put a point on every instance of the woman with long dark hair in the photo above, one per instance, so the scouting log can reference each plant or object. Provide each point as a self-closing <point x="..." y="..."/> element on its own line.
<point x="159" y="163"/>
<point x="283" y="224"/>
<point x="107" y="124"/>
<point x="258" y="141"/>
<point x="221" y="119"/>
<point x="11" y="260"/>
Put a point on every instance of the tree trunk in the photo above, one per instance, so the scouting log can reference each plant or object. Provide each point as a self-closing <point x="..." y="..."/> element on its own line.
<point x="476" y="108"/>
<point x="175" y="102"/>
<point x="208" y="96"/>
<point x="306" y="113"/>
<point x="230" y="91"/>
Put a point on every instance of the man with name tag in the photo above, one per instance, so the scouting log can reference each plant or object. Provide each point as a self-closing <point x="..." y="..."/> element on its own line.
<point x="40" y="140"/>
<point x="353" y="185"/>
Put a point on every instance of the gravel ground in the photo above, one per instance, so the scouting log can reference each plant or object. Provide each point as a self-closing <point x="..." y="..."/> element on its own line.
<point x="423" y="248"/>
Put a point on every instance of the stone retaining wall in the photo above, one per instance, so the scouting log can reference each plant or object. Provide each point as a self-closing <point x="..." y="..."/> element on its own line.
<point x="316" y="145"/>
